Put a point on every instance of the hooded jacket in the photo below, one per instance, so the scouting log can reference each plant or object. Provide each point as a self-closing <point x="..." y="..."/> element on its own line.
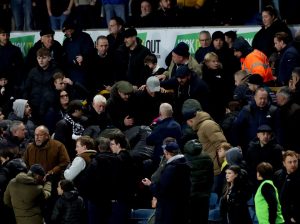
<point x="24" y="195"/>
<point x="210" y="135"/>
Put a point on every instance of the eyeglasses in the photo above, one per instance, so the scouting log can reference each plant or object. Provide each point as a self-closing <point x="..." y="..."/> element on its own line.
<point x="65" y="95"/>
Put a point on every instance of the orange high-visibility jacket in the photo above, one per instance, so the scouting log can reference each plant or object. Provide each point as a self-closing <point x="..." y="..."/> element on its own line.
<point x="257" y="63"/>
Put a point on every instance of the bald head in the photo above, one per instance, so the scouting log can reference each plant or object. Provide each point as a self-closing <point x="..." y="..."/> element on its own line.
<point x="165" y="110"/>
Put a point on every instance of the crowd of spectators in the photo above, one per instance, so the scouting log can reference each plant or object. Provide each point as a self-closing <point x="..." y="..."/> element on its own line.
<point x="113" y="130"/>
<point x="90" y="14"/>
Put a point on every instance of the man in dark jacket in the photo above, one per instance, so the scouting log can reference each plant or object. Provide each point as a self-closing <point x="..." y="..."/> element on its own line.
<point x="79" y="49"/>
<point x="130" y="59"/>
<point x="173" y="188"/>
<point x="121" y="105"/>
<point x="11" y="59"/>
<point x="202" y="178"/>
<point x="263" y="149"/>
<point x="187" y="85"/>
<point x="39" y="83"/>
<point x="166" y="127"/>
<point x="287" y="180"/>
<point x="47" y="41"/>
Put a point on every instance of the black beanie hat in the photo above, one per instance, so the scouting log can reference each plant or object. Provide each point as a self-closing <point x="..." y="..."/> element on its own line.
<point x="182" y="49"/>
<point x="218" y="35"/>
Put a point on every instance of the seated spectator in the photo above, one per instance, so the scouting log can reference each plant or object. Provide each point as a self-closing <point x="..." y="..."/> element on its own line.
<point x="168" y="14"/>
<point x="154" y="68"/>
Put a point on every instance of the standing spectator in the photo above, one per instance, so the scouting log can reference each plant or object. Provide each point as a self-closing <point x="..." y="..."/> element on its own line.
<point x="22" y="14"/>
<point x="121" y="105"/>
<point x="46" y="41"/>
<point x="287" y="181"/>
<point x="116" y="33"/>
<point x="22" y="112"/>
<point x="234" y="207"/>
<point x="260" y="111"/>
<point x="104" y="59"/>
<point x="39" y="83"/>
<point x="130" y="57"/>
<point x="294" y="85"/>
<point x="9" y="168"/>
<point x="252" y="61"/>
<point x="187" y="85"/>
<point x="79" y="49"/>
<point x="173" y="188"/>
<point x="181" y="56"/>
<point x="71" y="127"/>
<point x="263" y="149"/>
<point x="165" y="127"/>
<point x="69" y="208"/>
<point x="58" y="12"/>
<point x="202" y="177"/>
<point x="149" y="100"/>
<point x="168" y="14"/>
<point x="230" y="37"/>
<point x="209" y="134"/>
<point x="85" y="150"/>
<point x="215" y="77"/>
<point x="289" y="57"/>
<point x="15" y="138"/>
<point x="205" y="42"/>
<point x="114" y="8"/>
<point x="264" y="39"/>
<point x="84" y="13"/>
<point x="51" y="154"/>
<point x="11" y="60"/>
<point x="267" y="204"/>
<point x="289" y="113"/>
<point x="26" y="192"/>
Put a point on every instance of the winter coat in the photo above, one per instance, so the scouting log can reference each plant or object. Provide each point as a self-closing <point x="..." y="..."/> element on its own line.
<point x="172" y="192"/>
<point x="202" y="172"/>
<point x="288" y="189"/>
<point x="210" y="136"/>
<point x="68" y="209"/>
<point x="52" y="156"/>
<point x="25" y="196"/>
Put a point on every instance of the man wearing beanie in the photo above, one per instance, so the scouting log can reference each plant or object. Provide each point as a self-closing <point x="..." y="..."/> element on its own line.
<point x="181" y="56"/>
<point x="202" y="178"/>
<point x="46" y="41"/>
<point x="130" y="58"/>
<point x="25" y="194"/>
<point x="209" y="134"/>
<point x="253" y="61"/>
<point x="187" y="85"/>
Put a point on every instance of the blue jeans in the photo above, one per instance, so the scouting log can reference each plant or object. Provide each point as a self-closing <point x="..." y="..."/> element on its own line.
<point x="112" y="10"/>
<point x="57" y="22"/>
<point x="22" y="13"/>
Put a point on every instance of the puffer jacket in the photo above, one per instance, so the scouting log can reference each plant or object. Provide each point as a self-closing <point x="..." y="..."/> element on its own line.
<point x="68" y="209"/>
